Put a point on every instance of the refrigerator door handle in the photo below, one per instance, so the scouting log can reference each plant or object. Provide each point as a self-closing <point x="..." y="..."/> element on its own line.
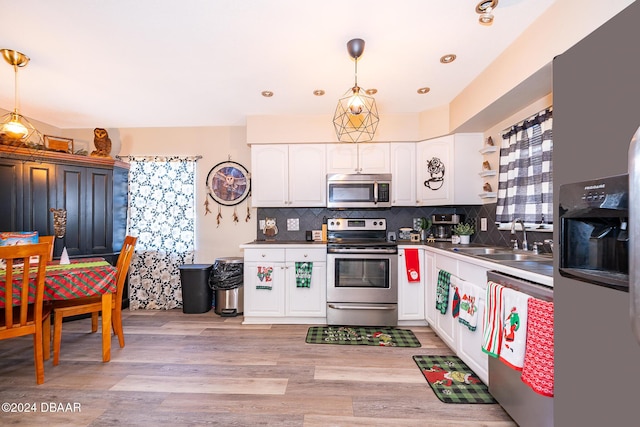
<point x="634" y="232"/>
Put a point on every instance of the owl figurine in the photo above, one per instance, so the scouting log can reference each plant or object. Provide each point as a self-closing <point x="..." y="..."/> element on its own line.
<point x="270" y="228"/>
<point x="102" y="143"/>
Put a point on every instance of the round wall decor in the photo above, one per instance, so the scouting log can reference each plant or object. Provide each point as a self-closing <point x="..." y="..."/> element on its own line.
<point x="228" y="183"/>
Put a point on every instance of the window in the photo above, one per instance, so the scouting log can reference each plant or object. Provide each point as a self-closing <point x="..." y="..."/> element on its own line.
<point x="162" y="216"/>
<point x="525" y="185"/>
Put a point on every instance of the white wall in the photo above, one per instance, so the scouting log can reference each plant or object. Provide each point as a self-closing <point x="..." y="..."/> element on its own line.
<point x="214" y="144"/>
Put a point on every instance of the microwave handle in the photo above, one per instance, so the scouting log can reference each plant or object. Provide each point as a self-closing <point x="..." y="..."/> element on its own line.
<point x="634" y="233"/>
<point x="375" y="192"/>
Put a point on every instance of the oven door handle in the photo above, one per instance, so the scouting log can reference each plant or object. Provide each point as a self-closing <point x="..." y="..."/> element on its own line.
<point x="362" y="307"/>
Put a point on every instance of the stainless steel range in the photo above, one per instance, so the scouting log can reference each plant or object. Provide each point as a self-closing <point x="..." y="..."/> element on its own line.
<point x="362" y="273"/>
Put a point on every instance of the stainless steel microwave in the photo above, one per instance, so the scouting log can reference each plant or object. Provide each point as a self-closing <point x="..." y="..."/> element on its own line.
<point x="360" y="191"/>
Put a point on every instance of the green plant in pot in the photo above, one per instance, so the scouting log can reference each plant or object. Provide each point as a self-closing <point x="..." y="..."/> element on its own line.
<point x="465" y="231"/>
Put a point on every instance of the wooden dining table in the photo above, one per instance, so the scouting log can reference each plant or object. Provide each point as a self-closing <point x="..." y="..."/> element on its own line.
<point x="84" y="277"/>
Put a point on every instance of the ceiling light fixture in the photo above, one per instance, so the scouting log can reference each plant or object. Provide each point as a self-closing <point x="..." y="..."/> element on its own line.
<point x="318" y="92"/>
<point x="356" y="117"/>
<point x="15" y="129"/>
<point x="267" y="93"/>
<point x="423" y="90"/>
<point x="484" y="8"/>
<point x="448" y="58"/>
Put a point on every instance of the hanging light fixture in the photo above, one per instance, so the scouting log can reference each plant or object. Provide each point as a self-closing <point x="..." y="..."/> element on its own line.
<point x="15" y="129"/>
<point x="356" y="117"/>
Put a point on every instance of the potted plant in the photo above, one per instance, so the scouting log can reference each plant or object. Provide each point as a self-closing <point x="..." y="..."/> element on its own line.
<point x="465" y="231"/>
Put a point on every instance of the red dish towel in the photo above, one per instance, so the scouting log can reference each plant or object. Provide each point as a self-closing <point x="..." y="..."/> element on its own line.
<point x="412" y="263"/>
<point x="537" y="371"/>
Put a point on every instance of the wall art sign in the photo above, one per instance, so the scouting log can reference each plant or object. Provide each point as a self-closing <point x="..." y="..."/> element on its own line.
<point x="436" y="169"/>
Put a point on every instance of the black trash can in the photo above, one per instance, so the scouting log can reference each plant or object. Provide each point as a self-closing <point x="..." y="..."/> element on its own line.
<point x="227" y="280"/>
<point x="196" y="292"/>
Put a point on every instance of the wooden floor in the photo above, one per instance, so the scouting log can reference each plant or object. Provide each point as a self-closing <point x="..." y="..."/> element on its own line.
<point x="201" y="369"/>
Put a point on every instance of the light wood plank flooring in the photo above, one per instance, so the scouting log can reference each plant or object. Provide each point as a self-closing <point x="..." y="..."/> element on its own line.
<point x="201" y="369"/>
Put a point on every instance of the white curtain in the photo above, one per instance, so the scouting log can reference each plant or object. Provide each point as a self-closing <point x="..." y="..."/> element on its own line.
<point x="525" y="187"/>
<point x="162" y="216"/>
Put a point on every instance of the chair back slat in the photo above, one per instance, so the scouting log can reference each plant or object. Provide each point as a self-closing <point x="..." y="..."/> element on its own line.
<point x="23" y="253"/>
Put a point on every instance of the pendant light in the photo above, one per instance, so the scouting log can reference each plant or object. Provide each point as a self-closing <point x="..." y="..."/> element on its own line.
<point x="356" y="117"/>
<point x="15" y="129"/>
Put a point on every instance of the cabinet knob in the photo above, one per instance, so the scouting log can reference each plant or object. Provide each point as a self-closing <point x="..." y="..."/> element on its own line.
<point x="263" y="255"/>
<point x="305" y="255"/>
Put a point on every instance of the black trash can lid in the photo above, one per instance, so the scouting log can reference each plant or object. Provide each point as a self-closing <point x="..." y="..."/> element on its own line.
<point x="229" y="260"/>
<point x="195" y="266"/>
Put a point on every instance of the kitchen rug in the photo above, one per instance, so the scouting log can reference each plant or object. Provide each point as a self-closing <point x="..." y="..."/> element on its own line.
<point x="362" y="335"/>
<point x="452" y="380"/>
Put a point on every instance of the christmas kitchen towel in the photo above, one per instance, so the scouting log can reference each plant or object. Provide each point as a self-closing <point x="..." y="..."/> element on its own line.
<point x="514" y="328"/>
<point x="303" y="274"/>
<point x="265" y="281"/>
<point x="469" y="298"/>
<point x="442" y="291"/>
<point x="492" y="322"/>
<point x="538" y="371"/>
<point x="412" y="265"/>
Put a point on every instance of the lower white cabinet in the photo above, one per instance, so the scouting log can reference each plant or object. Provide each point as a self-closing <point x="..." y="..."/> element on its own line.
<point x="466" y="343"/>
<point x="271" y="291"/>
<point x="410" y="294"/>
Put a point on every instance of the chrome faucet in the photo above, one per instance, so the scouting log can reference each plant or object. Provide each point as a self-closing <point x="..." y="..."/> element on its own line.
<point x="525" y="245"/>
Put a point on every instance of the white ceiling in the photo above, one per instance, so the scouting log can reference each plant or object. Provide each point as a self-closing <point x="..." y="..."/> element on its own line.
<point x="168" y="63"/>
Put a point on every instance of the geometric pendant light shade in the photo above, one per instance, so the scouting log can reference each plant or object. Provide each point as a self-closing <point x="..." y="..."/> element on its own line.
<point x="356" y="116"/>
<point x="15" y="129"/>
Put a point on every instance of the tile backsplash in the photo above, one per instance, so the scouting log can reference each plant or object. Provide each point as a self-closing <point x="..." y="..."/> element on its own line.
<point x="397" y="217"/>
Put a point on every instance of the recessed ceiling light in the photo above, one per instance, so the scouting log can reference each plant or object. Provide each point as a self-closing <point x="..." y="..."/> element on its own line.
<point x="318" y="92"/>
<point x="267" y="93"/>
<point x="371" y="91"/>
<point x="448" y="58"/>
<point x="423" y="90"/>
<point x="485" y="4"/>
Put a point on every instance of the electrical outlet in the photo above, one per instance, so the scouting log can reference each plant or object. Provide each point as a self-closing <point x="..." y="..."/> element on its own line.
<point x="483" y="224"/>
<point x="293" y="224"/>
<point x="262" y="224"/>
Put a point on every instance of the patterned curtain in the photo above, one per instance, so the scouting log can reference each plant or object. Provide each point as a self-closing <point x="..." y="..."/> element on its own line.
<point x="162" y="215"/>
<point x="525" y="187"/>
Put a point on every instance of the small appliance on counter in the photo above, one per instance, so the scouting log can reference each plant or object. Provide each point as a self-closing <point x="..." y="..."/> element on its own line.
<point x="442" y="225"/>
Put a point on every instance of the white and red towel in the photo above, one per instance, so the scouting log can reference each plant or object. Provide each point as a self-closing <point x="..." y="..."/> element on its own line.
<point x="492" y="320"/>
<point x="538" y="369"/>
<point x="265" y="281"/>
<point x="412" y="264"/>
<point x="514" y="328"/>
<point x="469" y="304"/>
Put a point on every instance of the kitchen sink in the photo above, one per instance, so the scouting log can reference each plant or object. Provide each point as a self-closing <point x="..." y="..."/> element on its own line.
<point x="512" y="256"/>
<point x="482" y="251"/>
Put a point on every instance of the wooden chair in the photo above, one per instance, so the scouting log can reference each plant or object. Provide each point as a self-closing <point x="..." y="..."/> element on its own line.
<point x="93" y="305"/>
<point x="21" y="319"/>
<point x="49" y="240"/>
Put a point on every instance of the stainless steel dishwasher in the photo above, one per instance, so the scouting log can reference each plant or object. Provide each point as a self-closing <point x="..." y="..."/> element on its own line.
<point x="526" y="407"/>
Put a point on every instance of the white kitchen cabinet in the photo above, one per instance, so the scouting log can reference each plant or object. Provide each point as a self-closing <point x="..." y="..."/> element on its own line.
<point x="403" y="170"/>
<point x="445" y="325"/>
<point x="285" y="302"/>
<point x="349" y="158"/>
<point x="430" y="279"/>
<point x="410" y="294"/>
<point x="457" y="182"/>
<point x="288" y="175"/>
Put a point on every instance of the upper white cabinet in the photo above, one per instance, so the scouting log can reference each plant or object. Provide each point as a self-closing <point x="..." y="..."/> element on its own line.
<point x="403" y="171"/>
<point x="288" y="175"/>
<point x="446" y="169"/>
<point x="366" y="157"/>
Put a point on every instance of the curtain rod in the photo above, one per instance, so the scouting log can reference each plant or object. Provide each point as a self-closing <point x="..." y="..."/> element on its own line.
<point x="198" y="157"/>
<point x="533" y="116"/>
